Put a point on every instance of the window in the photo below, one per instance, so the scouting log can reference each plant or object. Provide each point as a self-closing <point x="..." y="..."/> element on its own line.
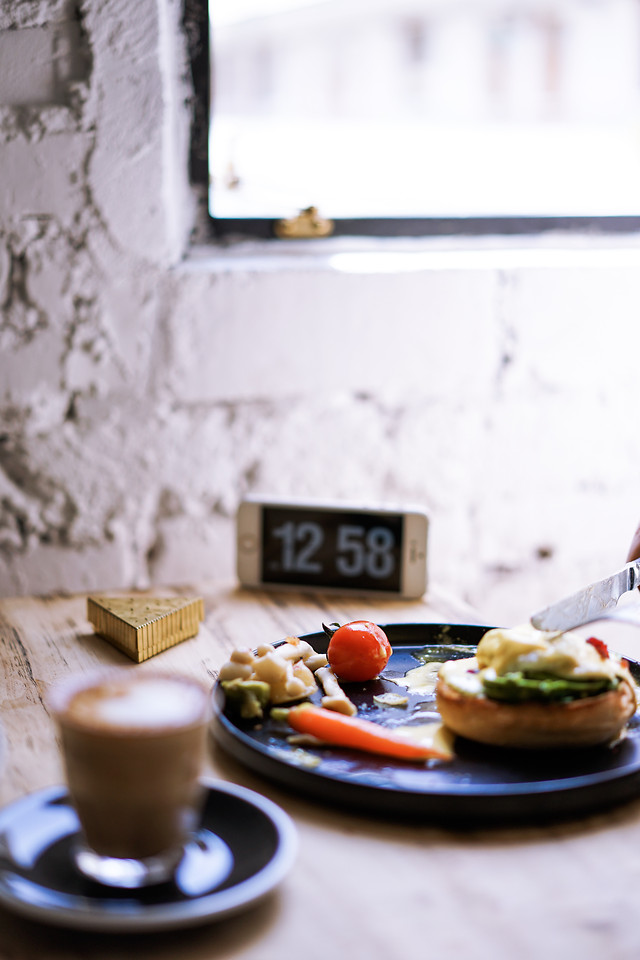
<point x="421" y="116"/>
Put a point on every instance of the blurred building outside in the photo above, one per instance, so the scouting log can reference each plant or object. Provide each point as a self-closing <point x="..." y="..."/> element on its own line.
<point x="401" y="108"/>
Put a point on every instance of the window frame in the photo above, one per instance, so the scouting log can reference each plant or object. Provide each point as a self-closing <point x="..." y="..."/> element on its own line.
<point x="216" y="229"/>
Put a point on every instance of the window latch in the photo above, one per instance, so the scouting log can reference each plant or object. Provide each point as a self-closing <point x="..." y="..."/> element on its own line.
<point x="306" y="225"/>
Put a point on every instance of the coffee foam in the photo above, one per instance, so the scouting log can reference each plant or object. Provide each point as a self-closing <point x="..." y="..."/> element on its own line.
<point x="143" y="703"/>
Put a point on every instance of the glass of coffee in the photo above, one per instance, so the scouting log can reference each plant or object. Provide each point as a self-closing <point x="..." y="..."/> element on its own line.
<point x="133" y="745"/>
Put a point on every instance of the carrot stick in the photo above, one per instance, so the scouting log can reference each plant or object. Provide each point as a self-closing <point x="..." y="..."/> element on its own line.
<point x="340" y="730"/>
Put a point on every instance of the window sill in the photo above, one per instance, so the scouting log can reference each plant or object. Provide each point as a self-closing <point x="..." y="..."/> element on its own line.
<point x="401" y="255"/>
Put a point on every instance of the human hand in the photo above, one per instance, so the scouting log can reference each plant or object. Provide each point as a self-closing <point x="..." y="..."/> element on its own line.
<point x="634" y="548"/>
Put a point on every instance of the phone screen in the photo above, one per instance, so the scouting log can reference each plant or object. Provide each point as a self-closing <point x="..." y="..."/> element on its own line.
<point x="332" y="548"/>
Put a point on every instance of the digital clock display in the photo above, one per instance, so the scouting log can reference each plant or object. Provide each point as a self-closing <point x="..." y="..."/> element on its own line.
<point x="332" y="548"/>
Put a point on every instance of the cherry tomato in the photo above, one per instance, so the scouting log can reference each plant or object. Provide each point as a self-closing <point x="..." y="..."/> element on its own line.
<point x="358" y="651"/>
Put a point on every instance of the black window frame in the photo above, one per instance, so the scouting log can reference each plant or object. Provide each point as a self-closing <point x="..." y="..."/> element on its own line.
<point x="197" y="30"/>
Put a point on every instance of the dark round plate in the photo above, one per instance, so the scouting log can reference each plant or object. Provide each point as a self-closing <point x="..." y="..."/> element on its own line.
<point x="243" y="848"/>
<point x="488" y="784"/>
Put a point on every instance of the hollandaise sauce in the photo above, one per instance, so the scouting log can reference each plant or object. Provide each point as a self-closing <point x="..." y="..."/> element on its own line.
<point x="522" y="663"/>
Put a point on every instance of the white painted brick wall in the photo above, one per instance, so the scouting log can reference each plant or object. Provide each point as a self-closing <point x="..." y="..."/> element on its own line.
<point x="145" y="388"/>
<point x="323" y="331"/>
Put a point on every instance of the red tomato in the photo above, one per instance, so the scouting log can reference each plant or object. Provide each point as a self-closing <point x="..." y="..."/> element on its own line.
<point x="358" y="651"/>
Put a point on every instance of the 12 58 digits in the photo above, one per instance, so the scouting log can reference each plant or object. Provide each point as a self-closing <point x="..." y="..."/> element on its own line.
<point x="360" y="551"/>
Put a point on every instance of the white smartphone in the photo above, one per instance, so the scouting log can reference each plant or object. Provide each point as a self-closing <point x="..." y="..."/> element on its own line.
<point x="332" y="546"/>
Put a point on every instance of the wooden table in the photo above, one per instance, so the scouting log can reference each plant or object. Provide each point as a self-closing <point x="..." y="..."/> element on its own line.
<point x="361" y="887"/>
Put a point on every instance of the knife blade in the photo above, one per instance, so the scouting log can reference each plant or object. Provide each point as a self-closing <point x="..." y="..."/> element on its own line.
<point x="594" y="602"/>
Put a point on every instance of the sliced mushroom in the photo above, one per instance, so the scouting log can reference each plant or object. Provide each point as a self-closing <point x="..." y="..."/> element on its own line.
<point x="335" y="698"/>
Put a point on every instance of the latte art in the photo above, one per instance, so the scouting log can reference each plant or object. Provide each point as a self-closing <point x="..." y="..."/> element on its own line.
<point x="150" y="703"/>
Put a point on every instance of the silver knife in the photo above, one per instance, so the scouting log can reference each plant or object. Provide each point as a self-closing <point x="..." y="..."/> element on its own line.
<point x="596" y="602"/>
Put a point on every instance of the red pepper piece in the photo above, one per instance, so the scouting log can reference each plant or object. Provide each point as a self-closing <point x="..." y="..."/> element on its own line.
<point x="600" y="646"/>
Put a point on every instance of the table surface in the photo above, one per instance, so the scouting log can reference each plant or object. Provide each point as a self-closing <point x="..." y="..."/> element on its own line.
<point x="361" y="887"/>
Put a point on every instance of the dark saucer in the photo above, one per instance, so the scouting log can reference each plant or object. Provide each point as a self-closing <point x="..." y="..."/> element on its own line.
<point x="242" y="850"/>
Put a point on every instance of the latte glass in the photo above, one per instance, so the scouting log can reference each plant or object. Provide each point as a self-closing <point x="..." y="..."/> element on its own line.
<point x="133" y="744"/>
